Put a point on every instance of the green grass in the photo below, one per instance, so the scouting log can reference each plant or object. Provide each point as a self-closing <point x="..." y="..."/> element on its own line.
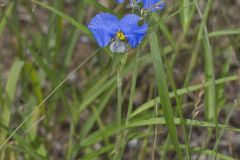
<point x="63" y="97"/>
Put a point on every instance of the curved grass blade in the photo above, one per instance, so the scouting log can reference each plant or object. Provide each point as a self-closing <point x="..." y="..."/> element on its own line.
<point x="189" y="122"/>
<point x="72" y="21"/>
<point x="5" y="17"/>
<point x="211" y="111"/>
<point x="161" y="81"/>
<point x="183" y="91"/>
<point x="97" y="153"/>
<point x="226" y="32"/>
<point x="111" y="129"/>
<point x="97" y="5"/>
<point x="10" y="92"/>
<point x="49" y="95"/>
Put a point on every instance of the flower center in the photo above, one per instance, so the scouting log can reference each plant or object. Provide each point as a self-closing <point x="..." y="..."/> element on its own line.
<point x="121" y="35"/>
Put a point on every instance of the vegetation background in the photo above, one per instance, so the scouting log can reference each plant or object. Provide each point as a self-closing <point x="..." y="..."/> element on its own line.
<point x="175" y="97"/>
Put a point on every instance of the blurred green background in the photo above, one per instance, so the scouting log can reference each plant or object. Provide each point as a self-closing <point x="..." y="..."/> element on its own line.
<point x="60" y="94"/>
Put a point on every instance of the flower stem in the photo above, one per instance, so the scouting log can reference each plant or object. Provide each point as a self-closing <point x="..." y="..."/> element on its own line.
<point x="119" y="111"/>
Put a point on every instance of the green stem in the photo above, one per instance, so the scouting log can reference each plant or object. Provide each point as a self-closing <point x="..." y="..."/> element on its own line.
<point x="130" y="104"/>
<point x="119" y="97"/>
<point x="119" y="113"/>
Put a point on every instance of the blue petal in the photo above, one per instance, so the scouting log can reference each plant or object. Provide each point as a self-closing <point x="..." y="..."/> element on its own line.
<point x="120" y="1"/>
<point x="104" y="27"/>
<point x="133" y="32"/>
<point x="153" y="5"/>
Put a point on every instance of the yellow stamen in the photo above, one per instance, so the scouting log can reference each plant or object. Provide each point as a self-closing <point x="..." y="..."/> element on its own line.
<point x="121" y="36"/>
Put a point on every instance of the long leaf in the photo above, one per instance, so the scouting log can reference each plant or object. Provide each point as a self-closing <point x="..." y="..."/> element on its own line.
<point x="72" y="21"/>
<point x="161" y="81"/>
<point x="10" y="92"/>
<point x="3" y="21"/>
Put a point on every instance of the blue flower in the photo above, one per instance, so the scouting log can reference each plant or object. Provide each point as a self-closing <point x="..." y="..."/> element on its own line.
<point x="120" y="1"/>
<point x="152" y="5"/>
<point x="107" y="27"/>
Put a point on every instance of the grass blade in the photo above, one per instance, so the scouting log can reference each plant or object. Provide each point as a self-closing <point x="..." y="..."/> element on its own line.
<point x="183" y="91"/>
<point x="226" y="32"/>
<point x="209" y="73"/>
<point x="80" y="26"/>
<point x="5" y="17"/>
<point x="10" y="92"/>
<point x="163" y="90"/>
<point x="177" y="121"/>
<point x="49" y="95"/>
